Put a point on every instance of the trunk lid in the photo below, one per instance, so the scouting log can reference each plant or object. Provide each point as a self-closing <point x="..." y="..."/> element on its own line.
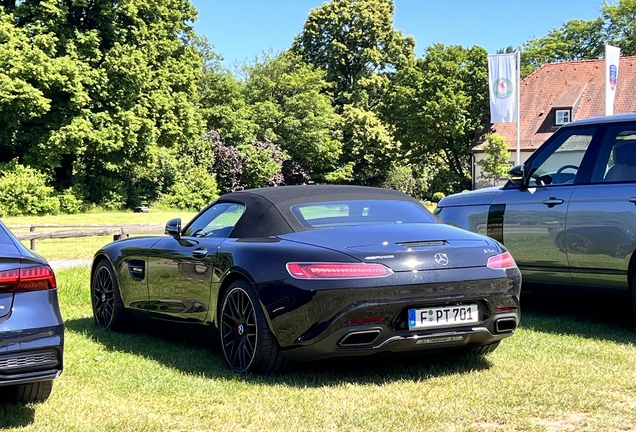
<point x="404" y="247"/>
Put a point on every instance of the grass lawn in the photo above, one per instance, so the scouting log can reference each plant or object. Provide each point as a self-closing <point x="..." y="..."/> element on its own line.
<point x="569" y="367"/>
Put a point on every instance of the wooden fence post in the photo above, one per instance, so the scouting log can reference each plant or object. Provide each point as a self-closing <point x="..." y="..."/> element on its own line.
<point x="32" y="228"/>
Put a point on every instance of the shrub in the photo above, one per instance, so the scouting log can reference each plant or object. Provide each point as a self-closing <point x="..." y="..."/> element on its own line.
<point x="228" y="164"/>
<point x="246" y="166"/>
<point x="294" y="173"/>
<point x="263" y="163"/>
<point x="23" y="191"/>
<point x="112" y="201"/>
<point x="437" y="197"/>
<point x="70" y="202"/>
<point x="194" y="189"/>
<point x="400" y="177"/>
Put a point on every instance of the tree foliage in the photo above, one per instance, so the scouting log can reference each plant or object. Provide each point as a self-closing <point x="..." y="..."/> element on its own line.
<point x="96" y="85"/>
<point x="283" y="101"/>
<point x="620" y="25"/>
<point x="494" y="164"/>
<point x="439" y="108"/>
<point x="369" y="148"/>
<point x="24" y="191"/>
<point x="253" y="165"/>
<point x="575" y="40"/>
<point x="106" y="102"/>
<point x="584" y="39"/>
<point x="355" y="42"/>
<point x="291" y="109"/>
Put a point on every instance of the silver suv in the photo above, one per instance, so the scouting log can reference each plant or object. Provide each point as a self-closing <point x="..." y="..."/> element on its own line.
<point x="568" y="214"/>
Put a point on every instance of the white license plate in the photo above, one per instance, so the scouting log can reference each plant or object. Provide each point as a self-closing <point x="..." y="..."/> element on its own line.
<point x="443" y="316"/>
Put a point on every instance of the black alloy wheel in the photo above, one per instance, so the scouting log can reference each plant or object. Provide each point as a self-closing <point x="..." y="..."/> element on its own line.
<point x="108" y="309"/>
<point x="247" y="343"/>
<point x="239" y="329"/>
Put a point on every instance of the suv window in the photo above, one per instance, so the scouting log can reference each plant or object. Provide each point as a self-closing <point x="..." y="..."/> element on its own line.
<point x="616" y="161"/>
<point x="563" y="158"/>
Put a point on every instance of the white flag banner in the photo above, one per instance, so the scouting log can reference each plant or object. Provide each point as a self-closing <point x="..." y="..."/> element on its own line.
<point x="612" y="59"/>
<point x="503" y="86"/>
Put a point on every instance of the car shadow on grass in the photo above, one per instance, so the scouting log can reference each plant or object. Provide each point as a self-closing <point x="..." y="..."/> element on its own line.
<point x="593" y="314"/>
<point x="15" y="415"/>
<point x="204" y="360"/>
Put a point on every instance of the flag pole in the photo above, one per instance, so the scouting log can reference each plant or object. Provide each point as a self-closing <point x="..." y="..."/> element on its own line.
<point x="518" y="107"/>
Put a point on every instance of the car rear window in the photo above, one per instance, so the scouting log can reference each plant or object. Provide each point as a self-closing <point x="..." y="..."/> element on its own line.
<point x="363" y="212"/>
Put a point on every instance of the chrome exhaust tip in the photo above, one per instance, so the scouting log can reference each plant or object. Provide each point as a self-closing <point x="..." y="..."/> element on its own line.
<point x="505" y="325"/>
<point x="360" y="338"/>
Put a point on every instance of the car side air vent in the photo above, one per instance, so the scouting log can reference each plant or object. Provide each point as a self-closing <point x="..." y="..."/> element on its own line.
<point x="424" y="243"/>
<point x="137" y="269"/>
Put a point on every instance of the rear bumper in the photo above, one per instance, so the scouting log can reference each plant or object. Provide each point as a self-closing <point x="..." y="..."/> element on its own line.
<point x="301" y="317"/>
<point x="32" y="339"/>
<point x="30" y="377"/>
<point x="356" y="341"/>
<point x="24" y="363"/>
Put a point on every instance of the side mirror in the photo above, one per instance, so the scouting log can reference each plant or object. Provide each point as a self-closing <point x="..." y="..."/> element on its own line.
<point x="516" y="174"/>
<point x="173" y="228"/>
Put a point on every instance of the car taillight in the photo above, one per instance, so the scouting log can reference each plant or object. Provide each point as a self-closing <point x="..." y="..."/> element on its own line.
<point x="33" y="278"/>
<point x="502" y="261"/>
<point x="337" y="270"/>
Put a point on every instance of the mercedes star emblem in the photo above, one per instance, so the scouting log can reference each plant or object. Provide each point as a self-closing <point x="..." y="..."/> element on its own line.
<point x="441" y="259"/>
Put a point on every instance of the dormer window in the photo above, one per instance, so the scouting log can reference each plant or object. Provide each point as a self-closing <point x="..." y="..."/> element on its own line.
<point x="562" y="117"/>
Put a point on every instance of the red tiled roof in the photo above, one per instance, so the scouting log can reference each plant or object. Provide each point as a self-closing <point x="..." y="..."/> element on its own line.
<point x="577" y="84"/>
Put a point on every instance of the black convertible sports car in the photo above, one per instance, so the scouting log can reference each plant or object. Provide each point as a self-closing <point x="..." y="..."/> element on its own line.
<point x="300" y="273"/>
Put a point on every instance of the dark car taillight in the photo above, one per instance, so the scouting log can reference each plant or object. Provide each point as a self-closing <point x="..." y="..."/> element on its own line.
<point x="337" y="270"/>
<point x="31" y="278"/>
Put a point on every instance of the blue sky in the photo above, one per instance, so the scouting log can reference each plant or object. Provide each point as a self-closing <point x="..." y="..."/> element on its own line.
<point x="243" y="29"/>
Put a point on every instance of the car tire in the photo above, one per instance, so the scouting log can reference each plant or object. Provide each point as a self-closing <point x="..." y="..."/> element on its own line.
<point x="31" y="392"/>
<point x="108" y="308"/>
<point x="481" y="350"/>
<point x="247" y="343"/>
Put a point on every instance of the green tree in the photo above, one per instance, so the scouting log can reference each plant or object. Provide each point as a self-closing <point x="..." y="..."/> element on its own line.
<point x="112" y="81"/>
<point x="225" y="108"/>
<point x="575" y="40"/>
<point x="369" y="148"/>
<point x="584" y="39"/>
<point x="281" y="100"/>
<point x="290" y="108"/>
<point x="438" y="106"/>
<point x="494" y="164"/>
<point x="620" y="19"/>
<point x="355" y="42"/>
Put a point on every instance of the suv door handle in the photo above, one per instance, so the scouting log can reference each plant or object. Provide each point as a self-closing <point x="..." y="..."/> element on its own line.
<point x="200" y="253"/>
<point x="632" y="200"/>
<point x="552" y="201"/>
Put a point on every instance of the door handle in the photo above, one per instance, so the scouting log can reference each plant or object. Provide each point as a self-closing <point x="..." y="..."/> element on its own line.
<point x="552" y="201"/>
<point x="632" y="200"/>
<point x="200" y="253"/>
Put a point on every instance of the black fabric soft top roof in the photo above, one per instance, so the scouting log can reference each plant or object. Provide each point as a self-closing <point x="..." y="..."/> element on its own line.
<point x="268" y="210"/>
